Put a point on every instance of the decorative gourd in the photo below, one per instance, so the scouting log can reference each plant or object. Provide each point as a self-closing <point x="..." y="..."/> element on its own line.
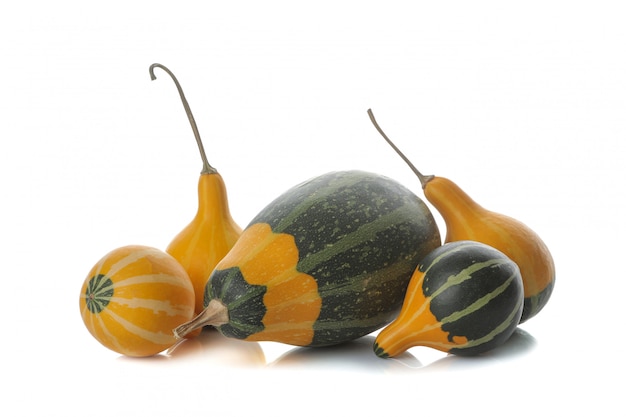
<point x="326" y="262"/>
<point x="133" y="297"/>
<point x="464" y="298"/>
<point x="212" y="232"/>
<point x="467" y="220"/>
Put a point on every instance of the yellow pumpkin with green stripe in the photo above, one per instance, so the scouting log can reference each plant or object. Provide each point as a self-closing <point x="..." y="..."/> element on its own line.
<point x="133" y="298"/>
<point x="464" y="298"/>
<point x="326" y="262"/>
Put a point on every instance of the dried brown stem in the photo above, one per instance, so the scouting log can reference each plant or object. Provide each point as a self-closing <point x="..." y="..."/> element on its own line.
<point x="424" y="179"/>
<point x="214" y="314"/>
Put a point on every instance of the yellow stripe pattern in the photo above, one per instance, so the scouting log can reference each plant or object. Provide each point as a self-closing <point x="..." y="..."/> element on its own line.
<point x="151" y="295"/>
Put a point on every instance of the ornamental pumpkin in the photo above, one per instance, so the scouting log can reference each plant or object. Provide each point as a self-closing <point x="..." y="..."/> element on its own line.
<point x="132" y="299"/>
<point x="464" y="298"/>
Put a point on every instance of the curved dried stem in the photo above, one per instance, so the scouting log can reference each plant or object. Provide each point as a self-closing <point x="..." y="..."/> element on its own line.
<point x="424" y="179"/>
<point x="206" y="167"/>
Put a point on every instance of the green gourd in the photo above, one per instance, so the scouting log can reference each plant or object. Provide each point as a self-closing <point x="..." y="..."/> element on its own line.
<point x="464" y="298"/>
<point x="326" y="262"/>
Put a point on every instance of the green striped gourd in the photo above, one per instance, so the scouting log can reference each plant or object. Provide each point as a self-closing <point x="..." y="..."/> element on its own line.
<point x="465" y="298"/>
<point x="326" y="262"/>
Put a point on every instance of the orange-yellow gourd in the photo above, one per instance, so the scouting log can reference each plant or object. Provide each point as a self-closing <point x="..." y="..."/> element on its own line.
<point x="208" y="238"/>
<point x="132" y="299"/>
<point x="467" y="220"/>
<point x="212" y="232"/>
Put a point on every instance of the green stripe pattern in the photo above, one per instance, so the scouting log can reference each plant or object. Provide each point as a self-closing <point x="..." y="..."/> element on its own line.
<point x="361" y="236"/>
<point x="98" y="293"/>
<point x="475" y="292"/>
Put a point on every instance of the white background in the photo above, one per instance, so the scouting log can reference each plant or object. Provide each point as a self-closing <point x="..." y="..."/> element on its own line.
<point x="521" y="103"/>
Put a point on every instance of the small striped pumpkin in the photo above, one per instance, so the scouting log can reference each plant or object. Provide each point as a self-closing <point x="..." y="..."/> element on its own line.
<point x="326" y="262"/>
<point x="134" y="297"/>
<point x="464" y="298"/>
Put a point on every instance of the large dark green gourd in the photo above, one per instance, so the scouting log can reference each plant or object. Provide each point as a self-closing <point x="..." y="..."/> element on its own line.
<point x="326" y="262"/>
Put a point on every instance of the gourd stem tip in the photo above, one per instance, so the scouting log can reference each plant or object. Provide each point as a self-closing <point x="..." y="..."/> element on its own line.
<point x="172" y="348"/>
<point x="424" y="179"/>
<point x="206" y="167"/>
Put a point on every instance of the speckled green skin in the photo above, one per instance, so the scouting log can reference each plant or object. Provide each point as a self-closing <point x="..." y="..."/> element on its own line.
<point x="360" y="235"/>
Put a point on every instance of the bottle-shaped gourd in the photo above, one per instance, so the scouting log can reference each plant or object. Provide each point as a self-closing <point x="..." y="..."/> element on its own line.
<point x="212" y="232"/>
<point x="467" y="220"/>
<point x="464" y="298"/>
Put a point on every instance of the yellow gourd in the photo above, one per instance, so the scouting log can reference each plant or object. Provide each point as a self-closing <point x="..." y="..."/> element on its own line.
<point x="467" y="220"/>
<point x="132" y="299"/>
<point x="212" y="232"/>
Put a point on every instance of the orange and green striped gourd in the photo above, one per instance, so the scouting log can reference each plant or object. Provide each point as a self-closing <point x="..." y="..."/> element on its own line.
<point x="465" y="219"/>
<point x="212" y="232"/>
<point x="326" y="262"/>
<point x="132" y="299"/>
<point x="465" y="298"/>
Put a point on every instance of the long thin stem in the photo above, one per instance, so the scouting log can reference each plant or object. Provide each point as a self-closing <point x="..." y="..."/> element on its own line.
<point x="422" y="178"/>
<point x="206" y="167"/>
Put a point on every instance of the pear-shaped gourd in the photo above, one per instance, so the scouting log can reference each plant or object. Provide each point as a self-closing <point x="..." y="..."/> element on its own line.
<point x="467" y="220"/>
<point x="212" y="232"/>
<point x="464" y="298"/>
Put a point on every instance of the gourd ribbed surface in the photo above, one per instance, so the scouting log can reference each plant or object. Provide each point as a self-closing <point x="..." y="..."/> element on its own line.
<point x="133" y="298"/>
